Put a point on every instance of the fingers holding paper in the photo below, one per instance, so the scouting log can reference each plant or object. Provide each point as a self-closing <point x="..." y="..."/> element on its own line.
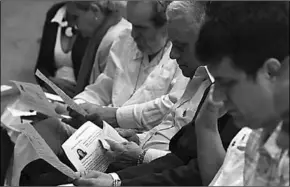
<point x="94" y="178"/>
<point x="77" y="119"/>
<point x="127" y="152"/>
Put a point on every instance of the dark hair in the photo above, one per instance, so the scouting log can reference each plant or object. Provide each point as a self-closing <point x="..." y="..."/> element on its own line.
<point x="247" y="32"/>
<point x="159" y="12"/>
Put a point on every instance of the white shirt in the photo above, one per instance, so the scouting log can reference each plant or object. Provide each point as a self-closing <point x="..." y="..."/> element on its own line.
<point x="156" y="141"/>
<point x="105" y="45"/>
<point x="139" y="89"/>
<point x="231" y="172"/>
<point x="63" y="60"/>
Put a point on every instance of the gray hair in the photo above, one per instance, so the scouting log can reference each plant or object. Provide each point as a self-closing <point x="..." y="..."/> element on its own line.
<point x="193" y="10"/>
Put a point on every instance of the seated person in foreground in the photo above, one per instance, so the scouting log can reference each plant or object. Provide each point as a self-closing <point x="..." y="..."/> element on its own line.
<point x="246" y="69"/>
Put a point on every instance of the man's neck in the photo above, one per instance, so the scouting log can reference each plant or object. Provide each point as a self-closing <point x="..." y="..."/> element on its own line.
<point x="151" y="57"/>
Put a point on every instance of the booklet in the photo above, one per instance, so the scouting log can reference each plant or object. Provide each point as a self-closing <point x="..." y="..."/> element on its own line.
<point x="86" y="147"/>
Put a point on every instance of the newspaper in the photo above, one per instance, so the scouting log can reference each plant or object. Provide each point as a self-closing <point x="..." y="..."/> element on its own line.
<point x="33" y="97"/>
<point x="44" y="151"/>
<point x="64" y="96"/>
<point x="86" y="147"/>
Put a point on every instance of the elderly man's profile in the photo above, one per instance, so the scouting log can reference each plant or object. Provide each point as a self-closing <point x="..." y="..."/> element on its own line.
<point x="81" y="154"/>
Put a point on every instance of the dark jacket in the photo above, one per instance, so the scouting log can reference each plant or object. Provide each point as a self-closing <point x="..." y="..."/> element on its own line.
<point x="7" y="148"/>
<point x="45" y="61"/>
<point x="179" y="168"/>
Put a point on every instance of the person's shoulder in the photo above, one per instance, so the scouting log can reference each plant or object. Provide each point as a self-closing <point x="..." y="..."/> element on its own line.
<point x="123" y="42"/>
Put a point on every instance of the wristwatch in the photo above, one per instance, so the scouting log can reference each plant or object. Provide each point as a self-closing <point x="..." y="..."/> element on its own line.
<point x="116" y="179"/>
<point x="141" y="157"/>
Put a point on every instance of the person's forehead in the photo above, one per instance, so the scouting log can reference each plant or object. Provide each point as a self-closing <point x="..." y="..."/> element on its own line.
<point x="180" y="29"/>
<point x="224" y="69"/>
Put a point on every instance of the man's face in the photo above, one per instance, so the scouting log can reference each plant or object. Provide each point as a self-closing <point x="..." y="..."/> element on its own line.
<point x="183" y="37"/>
<point x="249" y="100"/>
<point x="149" y="38"/>
<point x="281" y="91"/>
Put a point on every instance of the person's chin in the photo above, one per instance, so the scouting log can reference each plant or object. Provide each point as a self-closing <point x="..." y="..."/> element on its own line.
<point x="185" y="71"/>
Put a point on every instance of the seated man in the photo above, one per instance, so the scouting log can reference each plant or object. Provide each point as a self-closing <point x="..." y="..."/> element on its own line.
<point x="140" y="83"/>
<point x="246" y="67"/>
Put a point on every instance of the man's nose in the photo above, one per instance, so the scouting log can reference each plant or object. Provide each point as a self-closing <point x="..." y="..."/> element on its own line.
<point x="134" y="33"/>
<point x="174" y="54"/>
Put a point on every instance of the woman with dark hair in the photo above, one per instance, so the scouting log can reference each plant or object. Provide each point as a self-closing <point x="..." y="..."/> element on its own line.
<point x="61" y="49"/>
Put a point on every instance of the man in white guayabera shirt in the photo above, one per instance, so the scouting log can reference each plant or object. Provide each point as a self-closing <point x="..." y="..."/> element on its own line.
<point x="140" y="83"/>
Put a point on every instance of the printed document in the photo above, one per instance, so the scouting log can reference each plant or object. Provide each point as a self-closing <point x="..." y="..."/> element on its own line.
<point x="45" y="152"/>
<point x="86" y="147"/>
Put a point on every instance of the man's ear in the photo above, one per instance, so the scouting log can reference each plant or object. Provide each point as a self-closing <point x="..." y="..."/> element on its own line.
<point x="271" y="67"/>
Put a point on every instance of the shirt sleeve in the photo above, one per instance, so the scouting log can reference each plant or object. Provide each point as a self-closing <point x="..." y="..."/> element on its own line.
<point x="150" y="114"/>
<point x="152" y="154"/>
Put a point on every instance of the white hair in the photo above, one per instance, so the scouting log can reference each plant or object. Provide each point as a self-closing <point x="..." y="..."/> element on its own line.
<point x="193" y="10"/>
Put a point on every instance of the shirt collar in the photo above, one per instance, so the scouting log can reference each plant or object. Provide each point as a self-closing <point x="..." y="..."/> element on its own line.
<point x="59" y="16"/>
<point x="140" y="54"/>
<point x="270" y="144"/>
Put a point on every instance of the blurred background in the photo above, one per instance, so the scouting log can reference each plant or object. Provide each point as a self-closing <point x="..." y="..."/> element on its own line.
<point x="21" y="27"/>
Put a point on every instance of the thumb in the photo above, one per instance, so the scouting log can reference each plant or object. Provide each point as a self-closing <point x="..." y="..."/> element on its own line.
<point x="114" y="145"/>
<point x="83" y="182"/>
<point x="126" y="133"/>
<point x="89" y="174"/>
<point x="213" y="102"/>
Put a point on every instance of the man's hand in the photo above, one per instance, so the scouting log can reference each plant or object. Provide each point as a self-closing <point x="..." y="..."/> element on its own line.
<point x="60" y="108"/>
<point x="107" y="114"/>
<point x="211" y="110"/>
<point x="129" y="134"/>
<point x="127" y="152"/>
<point x="78" y="120"/>
<point x="66" y="86"/>
<point x="94" y="178"/>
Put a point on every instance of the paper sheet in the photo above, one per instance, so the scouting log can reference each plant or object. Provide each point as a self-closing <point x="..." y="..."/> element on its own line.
<point x="53" y="97"/>
<point x="64" y="96"/>
<point x="34" y="98"/>
<point x="44" y="151"/>
<point x="85" y="148"/>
